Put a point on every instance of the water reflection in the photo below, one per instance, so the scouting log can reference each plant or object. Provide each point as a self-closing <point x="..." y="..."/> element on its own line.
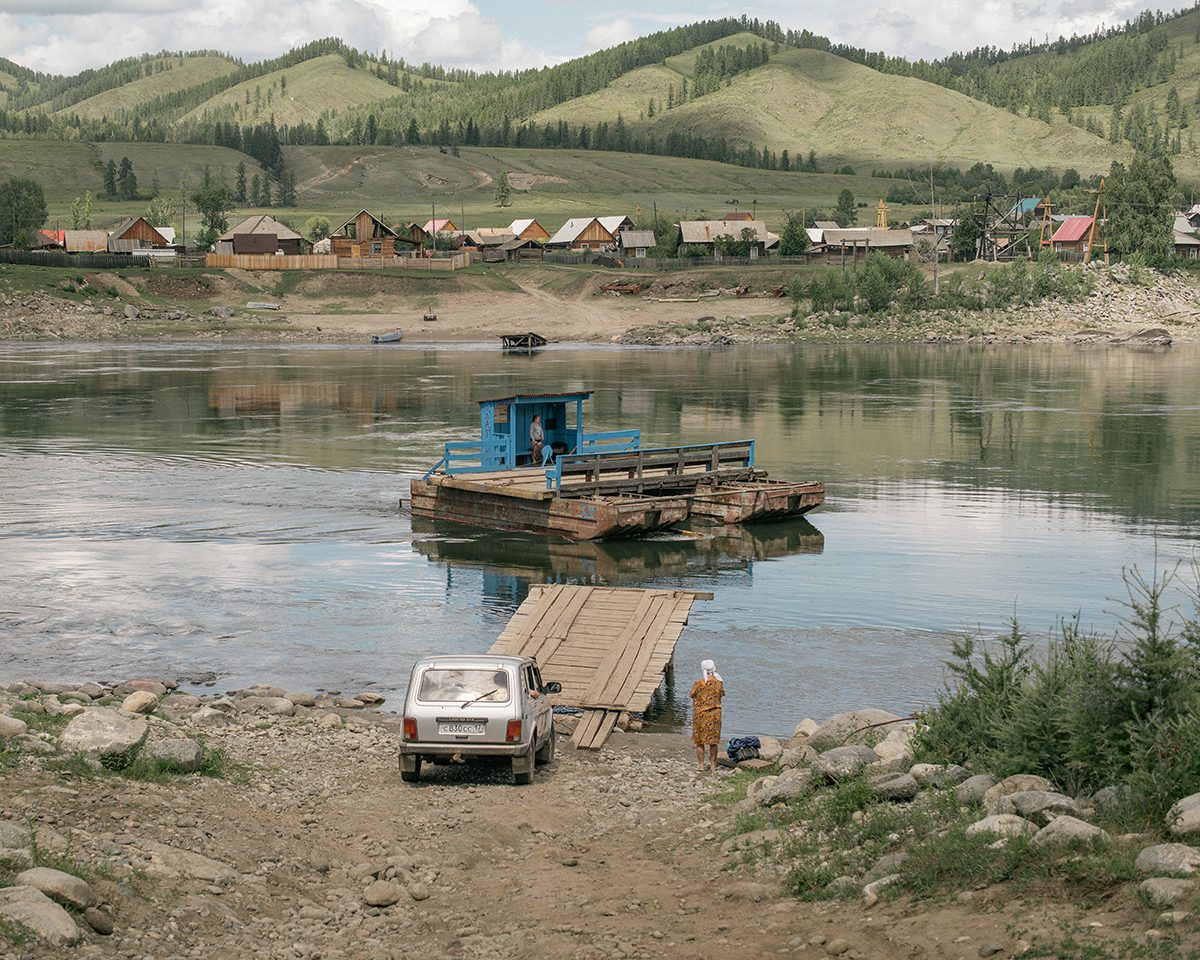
<point x="235" y="509"/>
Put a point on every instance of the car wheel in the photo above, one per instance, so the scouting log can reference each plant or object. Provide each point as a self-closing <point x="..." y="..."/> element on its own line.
<point x="522" y="768"/>
<point x="410" y="768"/>
<point x="545" y="752"/>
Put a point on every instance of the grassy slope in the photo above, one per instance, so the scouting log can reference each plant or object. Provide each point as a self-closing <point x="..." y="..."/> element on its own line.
<point x="184" y="72"/>
<point x="312" y="88"/>
<point x="807" y="99"/>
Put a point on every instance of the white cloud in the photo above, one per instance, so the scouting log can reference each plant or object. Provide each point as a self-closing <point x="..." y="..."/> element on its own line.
<point x="610" y="34"/>
<point x="456" y="35"/>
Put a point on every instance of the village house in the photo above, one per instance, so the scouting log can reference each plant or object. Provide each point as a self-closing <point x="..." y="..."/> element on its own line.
<point x="849" y="244"/>
<point x="589" y="233"/>
<point x="704" y="233"/>
<point x="440" y="225"/>
<point x="524" y="248"/>
<point x="637" y="243"/>
<point x="529" y="230"/>
<point x="1072" y="235"/>
<point x="85" y="241"/>
<point x="363" y="236"/>
<point x="258" y="235"/>
<point x="1193" y="216"/>
<point x="412" y="237"/>
<point x="1187" y="236"/>
<point x="135" y="233"/>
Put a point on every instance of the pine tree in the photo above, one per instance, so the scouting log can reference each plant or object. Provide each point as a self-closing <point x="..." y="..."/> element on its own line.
<point x="412" y="135"/>
<point x="266" y="192"/>
<point x="126" y="181"/>
<point x="110" y="179"/>
<point x="255" y="191"/>
<point x="239" y="189"/>
<point x="287" y="190"/>
<point x="845" y="214"/>
<point x="503" y="190"/>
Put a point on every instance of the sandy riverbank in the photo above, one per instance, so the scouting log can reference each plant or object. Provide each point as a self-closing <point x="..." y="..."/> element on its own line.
<point x="302" y="843"/>
<point x="567" y="305"/>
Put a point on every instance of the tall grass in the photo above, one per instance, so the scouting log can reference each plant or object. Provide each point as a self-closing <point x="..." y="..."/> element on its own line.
<point x="1091" y="711"/>
<point x="883" y="282"/>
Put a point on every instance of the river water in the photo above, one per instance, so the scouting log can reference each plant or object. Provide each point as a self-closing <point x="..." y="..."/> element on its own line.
<point x="193" y="510"/>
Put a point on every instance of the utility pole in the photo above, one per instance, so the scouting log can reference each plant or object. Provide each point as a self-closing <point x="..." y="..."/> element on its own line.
<point x="933" y="216"/>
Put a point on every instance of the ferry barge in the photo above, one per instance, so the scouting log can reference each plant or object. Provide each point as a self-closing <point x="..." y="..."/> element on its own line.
<point x="596" y="485"/>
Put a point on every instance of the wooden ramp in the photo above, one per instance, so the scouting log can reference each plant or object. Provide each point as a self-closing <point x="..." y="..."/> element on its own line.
<point x="608" y="647"/>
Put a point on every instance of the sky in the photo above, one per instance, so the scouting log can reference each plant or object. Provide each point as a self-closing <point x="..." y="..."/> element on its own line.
<point x="65" y="36"/>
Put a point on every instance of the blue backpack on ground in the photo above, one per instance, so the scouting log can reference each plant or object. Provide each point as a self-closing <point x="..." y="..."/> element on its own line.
<point x="743" y="748"/>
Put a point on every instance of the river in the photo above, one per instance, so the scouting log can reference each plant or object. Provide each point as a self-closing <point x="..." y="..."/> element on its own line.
<point x="232" y="512"/>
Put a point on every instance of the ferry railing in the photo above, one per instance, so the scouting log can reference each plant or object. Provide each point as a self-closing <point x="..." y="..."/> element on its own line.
<point x="649" y="467"/>
<point x="471" y="456"/>
<point x="612" y="441"/>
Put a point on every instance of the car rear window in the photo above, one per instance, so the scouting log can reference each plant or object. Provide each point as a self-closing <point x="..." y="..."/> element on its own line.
<point x="458" y="685"/>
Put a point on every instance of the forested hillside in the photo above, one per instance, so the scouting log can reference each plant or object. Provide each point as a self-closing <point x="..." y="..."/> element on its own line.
<point x="732" y="90"/>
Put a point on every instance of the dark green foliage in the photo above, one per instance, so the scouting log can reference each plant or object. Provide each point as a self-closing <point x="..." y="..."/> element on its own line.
<point x="22" y="210"/>
<point x="793" y="241"/>
<point x="126" y="180"/>
<point x="110" y="179"/>
<point x="503" y="190"/>
<point x="965" y="241"/>
<point x="1140" y="201"/>
<point x="239" y="183"/>
<point x="213" y="205"/>
<point x="1090" y="713"/>
<point x="845" y="213"/>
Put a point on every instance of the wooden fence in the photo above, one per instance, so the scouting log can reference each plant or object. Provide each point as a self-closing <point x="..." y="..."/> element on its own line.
<point x="241" y="261"/>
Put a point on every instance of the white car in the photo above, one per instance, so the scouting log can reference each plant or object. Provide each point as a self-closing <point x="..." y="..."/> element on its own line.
<point x="477" y="706"/>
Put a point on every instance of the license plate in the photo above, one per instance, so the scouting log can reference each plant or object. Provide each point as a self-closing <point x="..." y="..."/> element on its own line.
<point x="461" y="729"/>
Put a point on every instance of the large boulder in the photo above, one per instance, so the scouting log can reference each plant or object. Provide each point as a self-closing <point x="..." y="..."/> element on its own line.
<point x="140" y="701"/>
<point x="805" y="728"/>
<point x="970" y="792"/>
<point x="1040" y="806"/>
<point x="1002" y="825"/>
<point x="156" y="687"/>
<point x="1016" y="784"/>
<point x="784" y="790"/>
<point x="843" y="763"/>
<point x="885" y="866"/>
<point x="894" y="786"/>
<point x="1166" y="891"/>
<point x="795" y="756"/>
<point x="103" y="733"/>
<point x="180" y="753"/>
<point x="1113" y="800"/>
<point x="1171" y="859"/>
<point x="1067" y="829"/>
<point x="755" y="787"/>
<point x="853" y="726"/>
<point x="274" y="706"/>
<point x="67" y="889"/>
<point x="35" y="911"/>
<point x="1183" y="819"/>
<point x="11" y="726"/>
<point x="770" y="749"/>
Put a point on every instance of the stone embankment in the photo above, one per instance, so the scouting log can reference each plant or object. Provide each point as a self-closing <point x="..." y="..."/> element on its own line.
<point x="139" y="821"/>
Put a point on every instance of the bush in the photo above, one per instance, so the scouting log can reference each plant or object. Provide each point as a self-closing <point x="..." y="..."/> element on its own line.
<point x="1091" y="713"/>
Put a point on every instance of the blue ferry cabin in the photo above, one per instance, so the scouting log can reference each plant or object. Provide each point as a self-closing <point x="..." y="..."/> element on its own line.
<point x="504" y="424"/>
<point x="591" y="485"/>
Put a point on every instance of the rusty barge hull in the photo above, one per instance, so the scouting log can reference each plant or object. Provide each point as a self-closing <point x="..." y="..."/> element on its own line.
<point x="575" y="518"/>
<point x="517" y="500"/>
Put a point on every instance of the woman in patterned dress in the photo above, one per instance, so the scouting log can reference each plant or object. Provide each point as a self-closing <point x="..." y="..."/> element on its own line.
<point x="706" y="714"/>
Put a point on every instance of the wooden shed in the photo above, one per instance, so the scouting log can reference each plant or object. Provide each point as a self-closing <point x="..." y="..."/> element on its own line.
<point x="529" y="230"/>
<point x="412" y="237"/>
<point x="86" y="241"/>
<point x="261" y="234"/>
<point x="582" y="233"/>
<point x="364" y="236"/>
<point x="135" y="233"/>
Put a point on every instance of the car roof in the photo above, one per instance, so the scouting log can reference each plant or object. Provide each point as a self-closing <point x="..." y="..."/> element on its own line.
<point x="481" y="659"/>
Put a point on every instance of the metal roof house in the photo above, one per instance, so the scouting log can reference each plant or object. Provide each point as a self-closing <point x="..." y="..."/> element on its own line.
<point x="504" y="433"/>
<point x="528" y="230"/>
<point x="1072" y="235"/>
<point x="1186" y="241"/>
<point x="440" y="225"/>
<point x="260" y="234"/>
<point x="704" y="233"/>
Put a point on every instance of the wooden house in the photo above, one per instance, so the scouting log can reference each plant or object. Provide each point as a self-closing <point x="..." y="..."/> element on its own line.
<point x="582" y="233"/>
<point x="637" y="243"/>
<point x="411" y="238"/>
<point x="1187" y="237"/>
<point x="46" y="240"/>
<point x="364" y="236"/>
<point x="529" y="230"/>
<point x="86" y="241"/>
<point x="1072" y="235"/>
<point x="704" y="233"/>
<point x="522" y="248"/>
<point x="260" y="234"/>
<point x="135" y="233"/>
<point x="440" y="225"/>
<point x="851" y="244"/>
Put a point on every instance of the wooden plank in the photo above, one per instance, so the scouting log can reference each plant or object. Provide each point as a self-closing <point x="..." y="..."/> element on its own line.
<point x="608" y="720"/>
<point x="587" y="727"/>
<point x="641" y="662"/>
<point x="625" y="649"/>
<point x="558" y="632"/>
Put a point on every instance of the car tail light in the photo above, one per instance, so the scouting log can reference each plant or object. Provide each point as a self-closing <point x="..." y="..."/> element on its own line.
<point x="410" y="728"/>
<point x="513" y="733"/>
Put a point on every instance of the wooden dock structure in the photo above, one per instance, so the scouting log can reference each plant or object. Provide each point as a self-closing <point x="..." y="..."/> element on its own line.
<point x="609" y="647"/>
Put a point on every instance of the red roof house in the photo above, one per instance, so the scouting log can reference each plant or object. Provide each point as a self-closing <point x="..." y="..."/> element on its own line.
<point x="1072" y="234"/>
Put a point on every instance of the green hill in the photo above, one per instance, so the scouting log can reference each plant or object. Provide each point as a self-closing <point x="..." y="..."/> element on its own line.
<point x="170" y="74"/>
<point x="295" y="94"/>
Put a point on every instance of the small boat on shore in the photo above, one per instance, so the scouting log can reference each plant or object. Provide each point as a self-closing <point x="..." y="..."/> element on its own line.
<point x="522" y="342"/>
<point x="394" y="337"/>
<point x="596" y="486"/>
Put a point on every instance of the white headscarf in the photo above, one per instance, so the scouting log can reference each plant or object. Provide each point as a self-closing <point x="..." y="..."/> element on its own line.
<point x="709" y="669"/>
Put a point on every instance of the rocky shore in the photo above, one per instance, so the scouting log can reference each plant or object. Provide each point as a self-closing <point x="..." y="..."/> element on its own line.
<point x="138" y="821"/>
